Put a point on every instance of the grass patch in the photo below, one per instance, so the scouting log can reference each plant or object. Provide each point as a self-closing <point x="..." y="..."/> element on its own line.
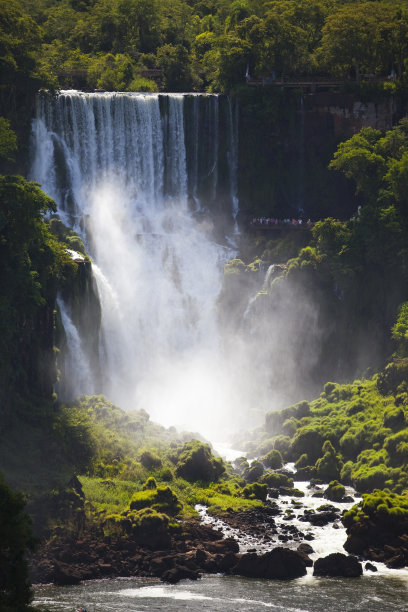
<point x="111" y="496"/>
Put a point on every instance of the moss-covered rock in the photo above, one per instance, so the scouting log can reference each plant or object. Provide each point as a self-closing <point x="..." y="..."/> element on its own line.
<point x="254" y="472"/>
<point x="276" y="480"/>
<point x="273" y="460"/>
<point x="328" y="467"/>
<point x="195" y="461"/>
<point x="255" y="491"/>
<point x="335" y="491"/>
<point x="161" y="499"/>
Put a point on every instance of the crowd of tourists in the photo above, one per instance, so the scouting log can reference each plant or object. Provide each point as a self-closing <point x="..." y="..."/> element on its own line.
<point x="272" y="221"/>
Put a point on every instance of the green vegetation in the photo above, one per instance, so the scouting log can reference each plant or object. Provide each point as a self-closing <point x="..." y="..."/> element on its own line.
<point x="15" y="541"/>
<point x="120" y="44"/>
<point x="353" y="433"/>
<point x="383" y="507"/>
<point x="194" y="461"/>
<point x="137" y="478"/>
<point x="335" y="491"/>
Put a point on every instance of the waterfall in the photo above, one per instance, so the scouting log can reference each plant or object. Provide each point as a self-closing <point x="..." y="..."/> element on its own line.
<point x="123" y="169"/>
<point x="233" y="157"/>
<point x="76" y="377"/>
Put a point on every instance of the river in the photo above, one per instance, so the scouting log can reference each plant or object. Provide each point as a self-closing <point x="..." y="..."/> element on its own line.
<point x="381" y="591"/>
<point x="371" y="593"/>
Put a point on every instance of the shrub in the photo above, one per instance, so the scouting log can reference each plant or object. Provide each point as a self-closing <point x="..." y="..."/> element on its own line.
<point x="335" y="491"/>
<point x="240" y="464"/>
<point x="165" y="474"/>
<point x="275" y="480"/>
<point x="161" y="499"/>
<point x="255" y="491"/>
<point x="282" y="444"/>
<point x="382" y="506"/>
<point x="150" y="460"/>
<point x="394" y="418"/>
<point x="366" y="478"/>
<point x="355" y="407"/>
<point x="328" y="467"/>
<point x="15" y="539"/>
<point x="149" y="484"/>
<point x="392" y="376"/>
<point x="307" y="440"/>
<point x="196" y="462"/>
<point x="392" y="443"/>
<point x="149" y="527"/>
<point x="275" y="419"/>
<point x="254" y="472"/>
<point x="273" y="460"/>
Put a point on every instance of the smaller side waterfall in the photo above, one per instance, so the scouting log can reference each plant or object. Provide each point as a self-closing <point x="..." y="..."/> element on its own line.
<point x="76" y="375"/>
<point x="232" y="155"/>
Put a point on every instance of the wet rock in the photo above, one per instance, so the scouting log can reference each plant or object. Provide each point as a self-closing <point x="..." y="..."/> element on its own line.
<point x="320" y="519"/>
<point x="65" y="575"/>
<point x="279" y="563"/>
<point x="305" y="549"/>
<point x="291" y="492"/>
<point x="181" y="572"/>
<point x="396" y="562"/>
<point x="338" y="564"/>
<point x="227" y="562"/>
<point x="229" y="545"/>
<point x="369" y="567"/>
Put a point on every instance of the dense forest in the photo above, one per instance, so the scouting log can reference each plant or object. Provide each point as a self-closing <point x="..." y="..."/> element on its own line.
<point x="133" y="45"/>
<point x="355" y="269"/>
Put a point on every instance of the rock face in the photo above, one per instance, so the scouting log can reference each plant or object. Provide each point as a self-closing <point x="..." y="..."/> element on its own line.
<point x="279" y="563"/>
<point x="338" y="564"/>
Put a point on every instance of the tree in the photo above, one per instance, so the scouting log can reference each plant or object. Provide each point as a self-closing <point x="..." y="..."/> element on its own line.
<point x="31" y="264"/>
<point x="358" y="159"/>
<point x="8" y="140"/>
<point x="350" y="39"/>
<point x="175" y="62"/>
<point x="15" y="540"/>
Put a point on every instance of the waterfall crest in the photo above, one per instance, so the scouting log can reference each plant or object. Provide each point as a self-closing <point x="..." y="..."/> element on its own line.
<point x="128" y="171"/>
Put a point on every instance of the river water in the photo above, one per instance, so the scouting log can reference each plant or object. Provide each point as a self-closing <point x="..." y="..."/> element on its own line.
<point x="382" y="591"/>
<point x="371" y="593"/>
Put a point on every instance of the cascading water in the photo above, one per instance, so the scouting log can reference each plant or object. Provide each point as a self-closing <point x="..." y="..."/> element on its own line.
<point x="123" y="174"/>
<point x="233" y="157"/>
<point x="76" y="365"/>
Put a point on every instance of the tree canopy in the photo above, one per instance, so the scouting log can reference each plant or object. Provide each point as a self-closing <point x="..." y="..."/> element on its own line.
<point x="204" y="45"/>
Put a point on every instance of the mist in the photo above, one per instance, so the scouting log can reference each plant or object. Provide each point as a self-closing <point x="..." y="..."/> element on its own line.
<point x="118" y="168"/>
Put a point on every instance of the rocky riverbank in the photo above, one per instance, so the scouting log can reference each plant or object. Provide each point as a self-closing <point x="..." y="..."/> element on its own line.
<point x="193" y="549"/>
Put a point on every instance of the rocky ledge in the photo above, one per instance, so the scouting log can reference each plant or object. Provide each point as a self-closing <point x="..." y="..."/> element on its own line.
<point x="193" y="550"/>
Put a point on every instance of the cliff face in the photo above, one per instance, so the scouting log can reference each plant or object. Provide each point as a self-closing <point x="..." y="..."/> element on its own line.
<point x="348" y="114"/>
<point x="287" y="140"/>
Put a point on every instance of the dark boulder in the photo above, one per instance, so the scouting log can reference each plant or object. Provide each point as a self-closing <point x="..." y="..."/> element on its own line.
<point x="279" y="563"/>
<point x="304" y="551"/>
<point x="65" y="575"/>
<point x="369" y="567"/>
<point x="229" y="545"/>
<point x="178" y="573"/>
<point x="320" y="519"/>
<point x="396" y="562"/>
<point x="338" y="564"/>
<point x="305" y="548"/>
